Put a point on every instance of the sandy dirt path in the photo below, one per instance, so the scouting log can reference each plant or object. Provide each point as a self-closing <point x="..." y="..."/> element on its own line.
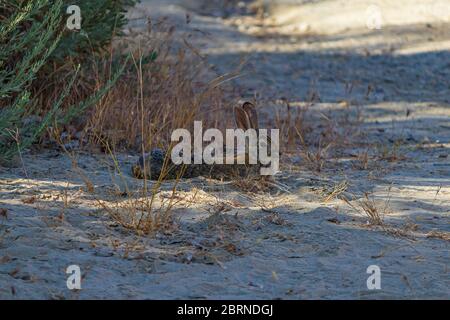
<point x="296" y="241"/>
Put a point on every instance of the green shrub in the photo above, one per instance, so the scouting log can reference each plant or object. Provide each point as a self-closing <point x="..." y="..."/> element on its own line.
<point x="35" y="46"/>
<point x="101" y="20"/>
<point x="22" y="55"/>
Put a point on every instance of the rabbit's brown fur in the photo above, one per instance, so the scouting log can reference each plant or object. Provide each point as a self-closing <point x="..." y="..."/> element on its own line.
<point x="151" y="165"/>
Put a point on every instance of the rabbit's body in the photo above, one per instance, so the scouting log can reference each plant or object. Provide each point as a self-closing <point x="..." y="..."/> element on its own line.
<point x="154" y="165"/>
<point x="156" y="162"/>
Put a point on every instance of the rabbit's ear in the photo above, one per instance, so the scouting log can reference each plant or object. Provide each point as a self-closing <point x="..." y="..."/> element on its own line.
<point x="250" y="109"/>
<point x="242" y="119"/>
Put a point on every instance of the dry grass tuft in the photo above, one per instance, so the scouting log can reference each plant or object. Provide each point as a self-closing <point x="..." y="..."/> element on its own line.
<point x="391" y="154"/>
<point x="371" y="210"/>
<point x="362" y="160"/>
<point x="435" y="234"/>
<point x="317" y="133"/>
<point x="142" y="214"/>
<point x="168" y="86"/>
<point x="254" y="184"/>
<point x="374" y="211"/>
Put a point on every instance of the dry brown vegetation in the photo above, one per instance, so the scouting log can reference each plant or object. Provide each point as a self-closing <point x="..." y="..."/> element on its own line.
<point x="167" y="86"/>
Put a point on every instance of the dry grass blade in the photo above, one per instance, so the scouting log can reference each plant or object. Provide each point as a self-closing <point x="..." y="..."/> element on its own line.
<point x="337" y="190"/>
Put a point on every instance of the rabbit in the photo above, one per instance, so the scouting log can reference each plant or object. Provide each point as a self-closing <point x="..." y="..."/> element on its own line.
<point x="245" y="117"/>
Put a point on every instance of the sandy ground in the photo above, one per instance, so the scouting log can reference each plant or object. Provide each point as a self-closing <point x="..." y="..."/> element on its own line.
<point x="294" y="241"/>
